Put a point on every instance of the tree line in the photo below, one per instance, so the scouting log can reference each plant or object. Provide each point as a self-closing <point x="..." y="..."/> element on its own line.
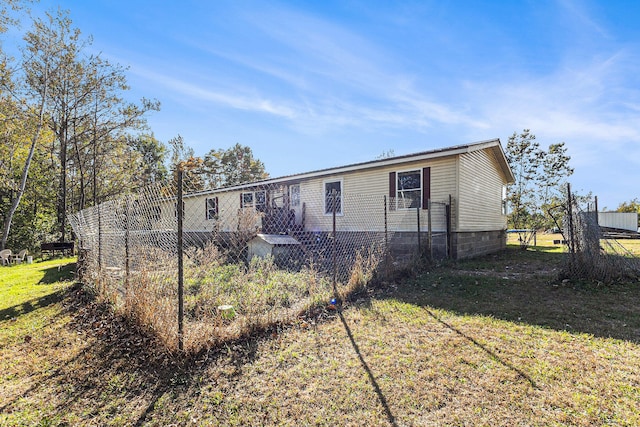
<point x="69" y="139"/>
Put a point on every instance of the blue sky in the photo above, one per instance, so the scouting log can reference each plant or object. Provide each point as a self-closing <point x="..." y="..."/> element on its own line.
<point x="309" y="85"/>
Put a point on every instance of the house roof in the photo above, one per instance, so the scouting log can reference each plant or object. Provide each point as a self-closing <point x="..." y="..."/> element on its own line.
<point x="492" y="145"/>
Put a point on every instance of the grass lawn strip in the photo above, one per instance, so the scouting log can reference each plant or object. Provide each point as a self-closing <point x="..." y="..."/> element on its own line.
<point x="470" y="343"/>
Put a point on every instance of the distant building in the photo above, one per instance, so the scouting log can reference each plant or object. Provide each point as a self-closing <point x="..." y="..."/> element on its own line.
<point x="621" y="221"/>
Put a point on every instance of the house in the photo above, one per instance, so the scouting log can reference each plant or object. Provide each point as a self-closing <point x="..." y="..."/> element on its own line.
<point x="389" y="198"/>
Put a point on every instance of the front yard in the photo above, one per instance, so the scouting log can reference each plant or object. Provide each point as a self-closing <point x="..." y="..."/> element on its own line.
<point x="492" y="341"/>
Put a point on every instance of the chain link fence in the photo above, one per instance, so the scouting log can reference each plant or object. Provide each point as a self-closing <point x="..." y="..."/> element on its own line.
<point x="201" y="267"/>
<point x="590" y="255"/>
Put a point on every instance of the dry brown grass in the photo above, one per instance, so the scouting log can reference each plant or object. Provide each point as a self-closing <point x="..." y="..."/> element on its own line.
<point x="493" y="341"/>
<point x="262" y="295"/>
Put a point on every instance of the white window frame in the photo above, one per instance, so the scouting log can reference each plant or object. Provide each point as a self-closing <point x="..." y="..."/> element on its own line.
<point x="340" y="212"/>
<point x="294" y="196"/>
<point x="209" y="209"/>
<point x="253" y="204"/>
<point x="505" y="200"/>
<point x="400" y="206"/>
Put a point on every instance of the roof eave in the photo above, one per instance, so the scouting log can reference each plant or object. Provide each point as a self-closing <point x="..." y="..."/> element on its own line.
<point x="426" y="155"/>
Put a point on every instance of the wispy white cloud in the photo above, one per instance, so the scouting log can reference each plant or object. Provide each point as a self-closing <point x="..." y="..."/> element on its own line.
<point x="225" y="98"/>
<point x="319" y="77"/>
<point x="330" y="76"/>
<point x="582" y="18"/>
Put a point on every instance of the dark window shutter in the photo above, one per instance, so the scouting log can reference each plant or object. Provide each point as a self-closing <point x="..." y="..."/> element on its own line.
<point x="426" y="187"/>
<point x="241" y="200"/>
<point x="392" y="191"/>
<point x="216" y="199"/>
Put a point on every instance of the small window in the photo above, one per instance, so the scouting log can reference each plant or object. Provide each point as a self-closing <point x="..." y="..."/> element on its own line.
<point x="505" y="201"/>
<point x="409" y="189"/>
<point x="254" y="199"/>
<point x="247" y="200"/>
<point x="211" y="206"/>
<point x="333" y="197"/>
<point x="261" y="200"/>
<point x="294" y="195"/>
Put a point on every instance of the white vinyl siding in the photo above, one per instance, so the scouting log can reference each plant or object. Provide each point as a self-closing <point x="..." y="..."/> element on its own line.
<point x="368" y="187"/>
<point x="480" y="200"/>
<point x="476" y="197"/>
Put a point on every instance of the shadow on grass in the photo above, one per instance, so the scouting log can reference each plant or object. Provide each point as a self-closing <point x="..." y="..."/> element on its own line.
<point x="33" y="304"/>
<point x="372" y="379"/>
<point x="491" y="353"/>
<point x="58" y="273"/>
<point x="523" y="287"/>
<point x="117" y="362"/>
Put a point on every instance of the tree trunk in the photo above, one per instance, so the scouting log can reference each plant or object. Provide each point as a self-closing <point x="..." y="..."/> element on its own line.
<point x="25" y="172"/>
<point x="62" y="190"/>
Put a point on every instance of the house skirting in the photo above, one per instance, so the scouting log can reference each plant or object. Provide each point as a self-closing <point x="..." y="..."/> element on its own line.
<point x="408" y="244"/>
<point x="476" y="243"/>
<point x="405" y="244"/>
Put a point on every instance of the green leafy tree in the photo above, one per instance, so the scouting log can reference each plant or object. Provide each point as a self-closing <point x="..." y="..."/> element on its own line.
<point x="233" y="166"/>
<point x="149" y="155"/>
<point x="86" y="112"/>
<point x="28" y="108"/>
<point x="539" y="178"/>
<point x="63" y="115"/>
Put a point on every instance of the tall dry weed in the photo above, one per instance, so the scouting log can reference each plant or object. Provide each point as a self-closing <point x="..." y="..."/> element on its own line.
<point x="261" y="294"/>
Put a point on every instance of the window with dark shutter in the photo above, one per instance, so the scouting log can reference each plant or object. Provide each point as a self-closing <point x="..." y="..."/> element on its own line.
<point x="211" y="208"/>
<point x="408" y="189"/>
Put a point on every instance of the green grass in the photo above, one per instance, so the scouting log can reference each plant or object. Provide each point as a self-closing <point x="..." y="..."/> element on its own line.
<point x="29" y="286"/>
<point x="492" y="341"/>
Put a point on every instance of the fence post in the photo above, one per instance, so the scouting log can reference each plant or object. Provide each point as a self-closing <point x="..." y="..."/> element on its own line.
<point x="570" y="213"/>
<point x="386" y="230"/>
<point x="418" y="219"/>
<point x="335" y="238"/>
<point x="449" y="234"/>
<point x="99" y="241"/>
<point x="126" y="244"/>
<point x="430" y="235"/>
<point x="180" y="213"/>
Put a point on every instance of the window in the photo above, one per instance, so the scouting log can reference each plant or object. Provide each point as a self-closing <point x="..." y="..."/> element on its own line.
<point x="211" y="206"/>
<point x="294" y="195"/>
<point x="254" y="199"/>
<point x="246" y="200"/>
<point x="505" y="204"/>
<point x="333" y="197"/>
<point x="409" y="189"/>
